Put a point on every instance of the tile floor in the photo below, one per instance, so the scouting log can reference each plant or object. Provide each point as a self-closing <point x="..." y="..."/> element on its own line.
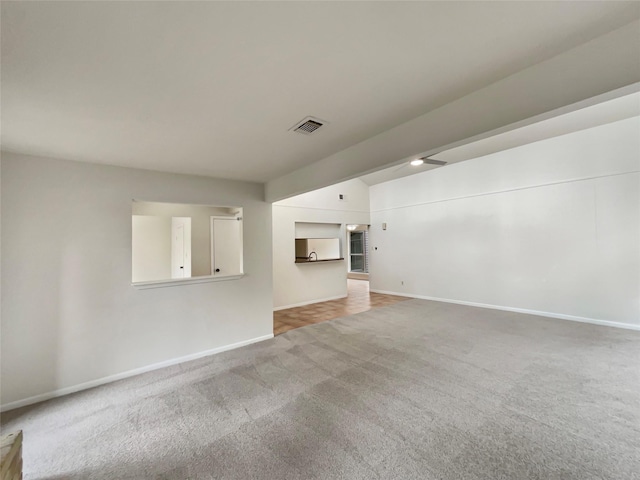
<point x="359" y="300"/>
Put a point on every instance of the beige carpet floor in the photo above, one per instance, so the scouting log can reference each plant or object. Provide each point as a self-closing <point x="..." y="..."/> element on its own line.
<point x="416" y="390"/>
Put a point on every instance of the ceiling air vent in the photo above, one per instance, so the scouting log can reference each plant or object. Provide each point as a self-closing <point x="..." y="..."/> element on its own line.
<point x="308" y="125"/>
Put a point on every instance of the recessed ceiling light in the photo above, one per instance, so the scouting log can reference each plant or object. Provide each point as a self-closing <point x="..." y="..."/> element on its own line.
<point x="417" y="162"/>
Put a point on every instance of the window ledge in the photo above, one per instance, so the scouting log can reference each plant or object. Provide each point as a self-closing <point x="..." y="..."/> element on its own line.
<point x="185" y="281"/>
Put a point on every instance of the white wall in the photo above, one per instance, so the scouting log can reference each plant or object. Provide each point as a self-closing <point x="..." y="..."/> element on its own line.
<point x="151" y="245"/>
<point x="69" y="312"/>
<point x="325" y="248"/>
<point x="298" y="284"/>
<point x="552" y="227"/>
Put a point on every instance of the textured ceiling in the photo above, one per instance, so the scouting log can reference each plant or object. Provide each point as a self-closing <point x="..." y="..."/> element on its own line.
<point x="212" y="88"/>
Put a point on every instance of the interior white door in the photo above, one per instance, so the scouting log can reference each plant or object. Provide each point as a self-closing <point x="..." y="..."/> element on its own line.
<point x="180" y="247"/>
<point x="226" y="240"/>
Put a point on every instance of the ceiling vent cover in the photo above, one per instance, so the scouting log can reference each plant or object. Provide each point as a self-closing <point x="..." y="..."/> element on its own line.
<point x="308" y="125"/>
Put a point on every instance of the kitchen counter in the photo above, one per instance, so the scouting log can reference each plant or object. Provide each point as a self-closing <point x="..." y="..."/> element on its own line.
<point x="306" y="260"/>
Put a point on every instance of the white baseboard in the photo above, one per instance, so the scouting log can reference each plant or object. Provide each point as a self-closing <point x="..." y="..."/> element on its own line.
<point x="302" y="304"/>
<point x="130" y="373"/>
<point x="561" y="316"/>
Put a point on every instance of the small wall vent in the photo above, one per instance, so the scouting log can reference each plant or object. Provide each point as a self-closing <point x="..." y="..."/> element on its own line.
<point x="308" y="125"/>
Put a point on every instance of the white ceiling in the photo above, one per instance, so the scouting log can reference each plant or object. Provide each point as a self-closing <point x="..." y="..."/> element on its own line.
<point x="602" y="113"/>
<point x="212" y="88"/>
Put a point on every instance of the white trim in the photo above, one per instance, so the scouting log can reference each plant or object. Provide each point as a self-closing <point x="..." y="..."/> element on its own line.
<point x="302" y="304"/>
<point x="561" y="316"/>
<point x="130" y="373"/>
<point x="184" y="281"/>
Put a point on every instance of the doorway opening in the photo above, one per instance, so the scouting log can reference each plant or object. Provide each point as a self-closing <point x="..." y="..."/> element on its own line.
<point x="358" y="254"/>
